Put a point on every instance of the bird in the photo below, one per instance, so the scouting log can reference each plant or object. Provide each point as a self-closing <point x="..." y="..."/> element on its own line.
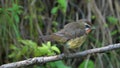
<point x="73" y="34"/>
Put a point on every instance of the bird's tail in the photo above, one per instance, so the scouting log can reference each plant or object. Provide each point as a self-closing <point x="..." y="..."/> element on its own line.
<point x="54" y="37"/>
<point x="46" y="38"/>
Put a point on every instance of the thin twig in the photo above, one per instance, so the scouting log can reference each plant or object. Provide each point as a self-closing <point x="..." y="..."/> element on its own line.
<point x="41" y="60"/>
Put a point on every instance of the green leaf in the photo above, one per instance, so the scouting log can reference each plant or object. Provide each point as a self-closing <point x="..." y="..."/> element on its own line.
<point x="57" y="64"/>
<point x="112" y="20"/>
<point x="10" y="9"/>
<point x="2" y="10"/>
<point x="114" y="32"/>
<point x="12" y="55"/>
<point x="37" y="52"/>
<point x="19" y="12"/>
<point x="24" y="50"/>
<point x="55" y="49"/>
<point x="43" y="50"/>
<point x="49" y="44"/>
<point x="87" y="64"/>
<point x="14" y="51"/>
<point x="93" y="17"/>
<point x="44" y="46"/>
<point x="60" y="64"/>
<point x="16" y="17"/>
<point x="31" y="43"/>
<point x="63" y="5"/>
<point x="16" y="7"/>
<point x="50" y="53"/>
<point x="52" y="65"/>
<point x="55" y="23"/>
<point x="48" y="49"/>
<point x="28" y="43"/>
<point x="18" y="55"/>
<point x="54" y="10"/>
<point x="13" y="47"/>
<point x="105" y="25"/>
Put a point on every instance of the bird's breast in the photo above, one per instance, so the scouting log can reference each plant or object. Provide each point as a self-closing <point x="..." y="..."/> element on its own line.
<point x="76" y="42"/>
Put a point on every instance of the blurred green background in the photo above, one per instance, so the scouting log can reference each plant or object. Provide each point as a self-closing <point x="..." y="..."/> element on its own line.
<point x="22" y="22"/>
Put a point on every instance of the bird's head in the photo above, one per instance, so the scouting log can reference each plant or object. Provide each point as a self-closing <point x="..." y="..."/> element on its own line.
<point x="87" y="25"/>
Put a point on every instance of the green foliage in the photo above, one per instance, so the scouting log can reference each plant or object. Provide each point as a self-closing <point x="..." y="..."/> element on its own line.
<point x="112" y="20"/>
<point x="2" y="10"/>
<point x="114" y="32"/>
<point x="9" y="28"/>
<point x="10" y="16"/>
<point x="57" y="64"/>
<point x="29" y="48"/>
<point x="54" y="10"/>
<point x="47" y="49"/>
<point x="62" y="5"/>
<point x="54" y="26"/>
<point x="15" y="10"/>
<point x="32" y="20"/>
<point x="87" y="64"/>
<point x="93" y="17"/>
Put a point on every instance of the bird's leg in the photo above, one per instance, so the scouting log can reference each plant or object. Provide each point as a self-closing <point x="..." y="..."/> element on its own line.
<point x="75" y="59"/>
<point x="67" y="52"/>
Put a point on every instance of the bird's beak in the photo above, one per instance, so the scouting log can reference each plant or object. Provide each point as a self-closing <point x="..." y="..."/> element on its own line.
<point x="88" y="30"/>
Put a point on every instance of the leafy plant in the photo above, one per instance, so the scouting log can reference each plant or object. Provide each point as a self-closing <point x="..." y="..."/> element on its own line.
<point x="87" y="64"/>
<point x="10" y="16"/>
<point x="112" y="20"/>
<point x="46" y="49"/>
<point x="57" y="64"/>
<point x="29" y="48"/>
<point x="15" y="10"/>
<point x="62" y="5"/>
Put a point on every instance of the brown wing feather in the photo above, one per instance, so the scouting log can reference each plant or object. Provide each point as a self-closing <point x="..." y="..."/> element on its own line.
<point x="70" y="31"/>
<point x="70" y="34"/>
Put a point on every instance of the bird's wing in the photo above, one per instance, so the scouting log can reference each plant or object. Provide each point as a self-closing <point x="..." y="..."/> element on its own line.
<point x="59" y="37"/>
<point x="70" y="34"/>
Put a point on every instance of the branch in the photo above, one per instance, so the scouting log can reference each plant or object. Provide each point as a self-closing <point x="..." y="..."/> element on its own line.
<point x="42" y="60"/>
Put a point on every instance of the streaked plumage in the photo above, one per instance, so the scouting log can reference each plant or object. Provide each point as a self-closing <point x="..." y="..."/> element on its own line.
<point x="73" y="34"/>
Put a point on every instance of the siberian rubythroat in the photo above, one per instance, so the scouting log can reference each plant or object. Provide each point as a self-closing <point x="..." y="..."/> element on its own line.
<point x="73" y="34"/>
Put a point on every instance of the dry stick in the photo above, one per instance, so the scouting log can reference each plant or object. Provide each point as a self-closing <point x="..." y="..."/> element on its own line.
<point x="41" y="60"/>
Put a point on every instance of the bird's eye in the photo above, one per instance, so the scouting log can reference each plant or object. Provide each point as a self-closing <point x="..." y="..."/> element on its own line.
<point x="87" y="26"/>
